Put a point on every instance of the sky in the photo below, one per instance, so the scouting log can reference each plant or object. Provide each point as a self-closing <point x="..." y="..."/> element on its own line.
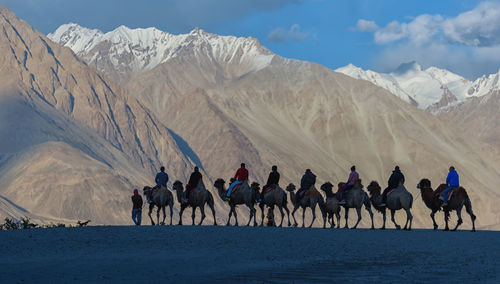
<point x="462" y="36"/>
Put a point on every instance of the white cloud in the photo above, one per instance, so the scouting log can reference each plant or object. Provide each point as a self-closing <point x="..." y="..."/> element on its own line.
<point x="365" y="26"/>
<point x="468" y="43"/>
<point x="294" y="33"/>
<point x="478" y="27"/>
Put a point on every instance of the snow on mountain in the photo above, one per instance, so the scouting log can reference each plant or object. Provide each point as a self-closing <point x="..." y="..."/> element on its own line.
<point x="385" y="81"/>
<point x="432" y="88"/>
<point x="137" y="50"/>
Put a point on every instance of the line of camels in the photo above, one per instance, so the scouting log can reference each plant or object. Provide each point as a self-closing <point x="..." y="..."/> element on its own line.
<point x="248" y="194"/>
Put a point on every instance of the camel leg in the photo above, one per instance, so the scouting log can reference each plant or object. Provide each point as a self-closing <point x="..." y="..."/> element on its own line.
<point x="384" y="215"/>
<point x="262" y="215"/>
<point x="235" y="215"/>
<point x="171" y="205"/>
<point x="314" y="215"/>
<point x="158" y="215"/>
<point x="180" y="214"/>
<point x="346" y="216"/>
<point x="358" y="211"/>
<point x="367" y="207"/>
<point x="459" y="215"/>
<point x="253" y="213"/>
<point x="202" y="209"/>
<point x="468" y="208"/>
<point x="287" y="215"/>
<point x="193" y="215"/>
<point x="229" y="217"/>
<point x="446" y="217"/>
<point x="293" y="215"/>
<point x="394" y="220"/>
<point x="282" y="215"/>
<point x="149" y="214"/>
<point x="434" y="220"/>
<point x="338" y="219"/>
<point x="211" y="205"/>
<point x="164" y="215"/>
<point x="409" y="219"/>
<point x="303" y="217"/>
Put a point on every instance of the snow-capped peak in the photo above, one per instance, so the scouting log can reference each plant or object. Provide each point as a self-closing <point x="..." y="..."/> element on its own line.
<point x="432" y="88"/>
<point x="139" y="50"/>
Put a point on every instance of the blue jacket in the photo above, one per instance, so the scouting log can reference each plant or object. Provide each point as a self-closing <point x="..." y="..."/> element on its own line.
<point x="452" y="179"/>
<point x="161" y="178"/>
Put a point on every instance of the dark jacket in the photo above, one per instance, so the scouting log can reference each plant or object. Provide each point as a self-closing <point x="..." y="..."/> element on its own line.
<point x="308" y="180"/>
<point x="161" y="178"/>
<point x="395" y="178"/>
<point x="274" y="178"/>
<point x="194" y="179"/>
<point x="137" y="201"/>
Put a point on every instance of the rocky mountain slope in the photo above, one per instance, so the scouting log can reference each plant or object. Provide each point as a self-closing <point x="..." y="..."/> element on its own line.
<point x="73" y="144"/>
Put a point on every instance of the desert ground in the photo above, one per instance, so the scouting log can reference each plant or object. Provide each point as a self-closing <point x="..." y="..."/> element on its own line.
<point x="206" y="254"/>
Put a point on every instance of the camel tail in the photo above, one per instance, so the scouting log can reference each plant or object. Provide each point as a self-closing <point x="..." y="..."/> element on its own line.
<point x="468" y="207"/>
<point x="210" y="200"/>
<point x="411" y="200"/>
<point x="367" y="202"/>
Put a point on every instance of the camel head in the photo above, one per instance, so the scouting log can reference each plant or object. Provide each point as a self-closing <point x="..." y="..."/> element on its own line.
<point x="177" y="186"/>
<point x="290" y="187"/>
<point x="327" y="186"/>
<point x="255" y="186"/>
<point x="146" y="190"/>
<point x="219" y="183"/>
<point x="423" y="184"/>
<point x="374" y="188"/>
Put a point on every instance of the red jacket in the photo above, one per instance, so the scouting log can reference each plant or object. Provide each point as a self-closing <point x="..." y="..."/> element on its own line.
<point x="241" y="174"/>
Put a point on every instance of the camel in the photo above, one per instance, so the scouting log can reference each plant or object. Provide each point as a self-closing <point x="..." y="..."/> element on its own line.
<point x="245" y="194"/>
<point x="276" y="196"/>
<point x="332" y="206"/>
<point x="456" y="202"/>
<point x="161" y="199"/>
<point x="198" y="198"/>
<point x="399" y="198"/>
<point x="356" y="197"/>
<point x="311" y="198"/>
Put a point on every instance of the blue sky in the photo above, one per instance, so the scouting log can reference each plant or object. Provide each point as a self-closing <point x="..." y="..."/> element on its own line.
<point x="462" y="36"/>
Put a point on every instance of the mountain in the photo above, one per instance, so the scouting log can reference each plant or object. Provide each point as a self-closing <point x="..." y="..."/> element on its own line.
<point x="73" y="144"/>
<point x="301" y="115"/>
<point x="433" y="89"/>
<point x="124" y="52"/>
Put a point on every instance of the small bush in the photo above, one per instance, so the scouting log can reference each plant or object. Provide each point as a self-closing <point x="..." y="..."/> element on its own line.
<point x="26" y="223"/>
<point x="83" y="224"/>
<point x="10" y="224"/>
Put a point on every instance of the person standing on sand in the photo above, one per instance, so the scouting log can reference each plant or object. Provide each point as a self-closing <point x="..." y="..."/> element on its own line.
<point x="136" y="208"/>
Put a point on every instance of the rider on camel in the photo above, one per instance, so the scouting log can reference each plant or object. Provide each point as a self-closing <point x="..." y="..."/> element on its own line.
<point x="452" y="181"/>
<point x="161" y="179"/>
<point x="273" y="179"/>
<point x="308" y="180"/>
<point x="240" y="176"/>
<point x="194" y="179"/>
<point x="395" y="179"/>
<point x="353" y="177"/>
